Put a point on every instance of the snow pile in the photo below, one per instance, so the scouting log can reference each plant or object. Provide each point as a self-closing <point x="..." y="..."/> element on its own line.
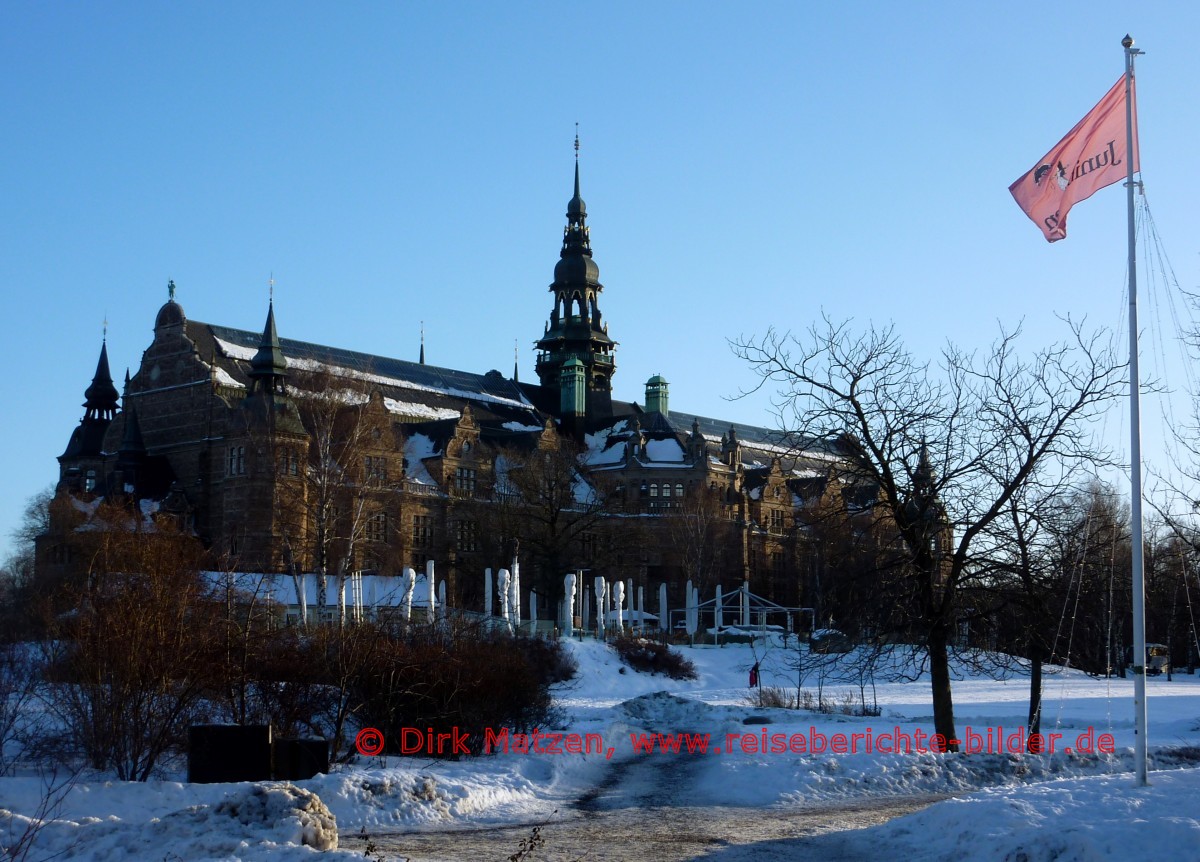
<point x="268" y="821"/>
<point x="414" y="793"/>
<point x="292" y="814"/>
<point x="1093" y="819"/>
<point x="662" y="710"/>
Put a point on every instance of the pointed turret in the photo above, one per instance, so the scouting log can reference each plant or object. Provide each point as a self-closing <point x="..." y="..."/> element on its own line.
<point x="268" y="368"/>
<point x="87" y="440"/>
<point x="731" y="448"/>
<point x="131" y="436"/>
<point x="923" y="504"/>
<point x="696" y="445"/>
<point x="101" y="397"/>
<point x="132" y="453"/>
<point x="923" y="477"/>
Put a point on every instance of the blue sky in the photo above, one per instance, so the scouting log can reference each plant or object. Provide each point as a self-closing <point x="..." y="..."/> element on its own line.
<point x="744" y="165"/>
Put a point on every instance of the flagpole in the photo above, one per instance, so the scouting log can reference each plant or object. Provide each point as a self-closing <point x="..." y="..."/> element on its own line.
<point x="1135" y="450"/>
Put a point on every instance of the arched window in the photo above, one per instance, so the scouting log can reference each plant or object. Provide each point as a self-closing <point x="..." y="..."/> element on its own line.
<point x="666" y="489"/>
<point x="678" y="489"/>
<point x="653" y="489"/>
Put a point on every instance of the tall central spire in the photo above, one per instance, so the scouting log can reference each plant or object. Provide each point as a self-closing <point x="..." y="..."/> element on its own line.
<point x="576" y="210"/>
<point x="575" y="329"/>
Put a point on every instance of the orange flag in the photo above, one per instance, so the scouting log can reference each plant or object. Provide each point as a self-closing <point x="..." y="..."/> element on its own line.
<point x="1091" y="156"/>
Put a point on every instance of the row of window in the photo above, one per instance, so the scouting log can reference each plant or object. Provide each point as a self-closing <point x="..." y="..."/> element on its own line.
<point x="666" y="489"/>
<point x="466" y="532"/>
<point x="375" y="468"/>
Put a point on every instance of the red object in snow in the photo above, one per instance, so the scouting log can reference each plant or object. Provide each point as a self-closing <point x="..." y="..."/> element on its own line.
<point x="754" y="676"/>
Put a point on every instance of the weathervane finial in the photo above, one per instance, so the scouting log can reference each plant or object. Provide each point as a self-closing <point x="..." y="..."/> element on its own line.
<point x="577" y="142"/>
<point x="105" y="335"/>
<point x="271" y="287"/>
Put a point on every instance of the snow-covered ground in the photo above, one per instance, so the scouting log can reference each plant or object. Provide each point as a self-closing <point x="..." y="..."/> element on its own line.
<point x="1066" y="805"/>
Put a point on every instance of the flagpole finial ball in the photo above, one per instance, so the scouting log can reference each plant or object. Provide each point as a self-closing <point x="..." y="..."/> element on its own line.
<point x="1127" y="42"/>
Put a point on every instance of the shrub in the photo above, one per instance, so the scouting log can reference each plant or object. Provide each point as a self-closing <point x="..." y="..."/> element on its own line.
<point x="552" y="662"/>
<point x="652" y="657"/>
<point x="468" y="680"/>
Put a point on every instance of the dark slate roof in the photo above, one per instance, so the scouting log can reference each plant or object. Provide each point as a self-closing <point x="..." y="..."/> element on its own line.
<point x="494" y="398"/>
<point x="679" y="424"/>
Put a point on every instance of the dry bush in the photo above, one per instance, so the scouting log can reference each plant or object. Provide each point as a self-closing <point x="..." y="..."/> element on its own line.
<point x="771" y="696"/>
<point x="649" y="656"/>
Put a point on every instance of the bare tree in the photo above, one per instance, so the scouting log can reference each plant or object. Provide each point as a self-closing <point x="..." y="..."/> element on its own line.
<point x="135" y="657"/>
<point x="345" y="479"/>
<point x="946" y="447"/>
<point x="560" y="513"/>
<point x="699" y="535"/>
<point x="1028" y="580"/>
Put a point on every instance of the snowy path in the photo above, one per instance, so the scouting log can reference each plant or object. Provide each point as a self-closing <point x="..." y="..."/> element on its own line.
<point x="645" y="807"/>
<point x="661" y="833"/>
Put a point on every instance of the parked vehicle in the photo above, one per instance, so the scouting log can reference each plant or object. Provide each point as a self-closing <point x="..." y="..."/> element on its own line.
<point x="829" y="640"/>
<point x="1158" y="659"/>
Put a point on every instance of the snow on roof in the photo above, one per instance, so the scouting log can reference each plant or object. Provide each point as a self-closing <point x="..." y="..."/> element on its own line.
<point x="422" y="412"/>
<point x="585" y="494"/>
<point x="776" y="449"/>
<point x="226" y="379"/>
<point x="417" y="448"/>
<point x="601" y="451"/>
<point x="664" y="450"/>
<point x="401" y="383"/>
<point x="520" y="427"/>
<point x="405" y="375"/>
<point x="235" y="351"/>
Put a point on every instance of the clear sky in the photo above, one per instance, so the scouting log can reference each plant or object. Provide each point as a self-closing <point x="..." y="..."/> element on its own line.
<point x="744" y="165"/>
